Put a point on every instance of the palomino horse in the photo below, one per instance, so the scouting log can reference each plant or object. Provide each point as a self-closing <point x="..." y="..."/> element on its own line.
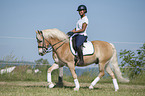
<point x="105" y="53"/>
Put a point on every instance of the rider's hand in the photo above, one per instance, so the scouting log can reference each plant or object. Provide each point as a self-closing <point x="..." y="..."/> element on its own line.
<point x="70" y="33"/>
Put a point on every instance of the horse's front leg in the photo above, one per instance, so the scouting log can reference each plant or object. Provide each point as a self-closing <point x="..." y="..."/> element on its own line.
<point x="53" y="67"/>
<point x="72" y="69"/>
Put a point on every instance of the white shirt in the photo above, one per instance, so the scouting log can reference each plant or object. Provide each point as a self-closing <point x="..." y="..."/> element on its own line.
<point x="79" y="25"/>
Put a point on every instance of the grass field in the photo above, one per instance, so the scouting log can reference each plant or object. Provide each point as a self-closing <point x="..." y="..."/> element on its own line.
<point x="29" y="88"/>
<point x="21" y="83"/>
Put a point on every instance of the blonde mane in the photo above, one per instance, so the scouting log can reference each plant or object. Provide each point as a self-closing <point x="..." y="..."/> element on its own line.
<point x="55" y="33"/>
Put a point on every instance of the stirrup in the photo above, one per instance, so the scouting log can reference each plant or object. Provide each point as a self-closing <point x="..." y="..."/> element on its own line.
<point x="80" y="63"/>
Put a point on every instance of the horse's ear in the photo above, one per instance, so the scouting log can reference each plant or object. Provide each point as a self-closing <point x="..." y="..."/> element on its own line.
<point x="39" y="32"/>
<point x="36" y="32"/>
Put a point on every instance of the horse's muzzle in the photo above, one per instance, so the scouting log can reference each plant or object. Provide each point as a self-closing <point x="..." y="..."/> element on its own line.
<point x="42" y="52"/>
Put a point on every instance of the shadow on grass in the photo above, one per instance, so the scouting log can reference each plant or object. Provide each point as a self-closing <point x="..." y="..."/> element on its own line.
<point x="61" y="85"/>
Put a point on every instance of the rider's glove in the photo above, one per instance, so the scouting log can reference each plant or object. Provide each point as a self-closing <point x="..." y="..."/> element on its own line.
<point x="70" y="33"/>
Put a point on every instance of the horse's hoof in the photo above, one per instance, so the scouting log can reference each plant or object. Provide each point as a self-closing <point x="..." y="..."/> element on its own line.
<point x="51" y="85"/>
<point x="76" y="89"/>
<point x="91" y="87"/>
<point x="116" y="90"/>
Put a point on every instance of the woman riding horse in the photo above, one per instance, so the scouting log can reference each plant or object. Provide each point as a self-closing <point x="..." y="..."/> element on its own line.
<point x="104" y="53"/>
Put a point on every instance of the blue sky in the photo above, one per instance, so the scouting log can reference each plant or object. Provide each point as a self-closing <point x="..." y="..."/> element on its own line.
<point x="121" y="22"/>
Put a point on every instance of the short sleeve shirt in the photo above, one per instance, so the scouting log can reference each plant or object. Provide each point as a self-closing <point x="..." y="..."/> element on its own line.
<point x="79" y="25"/>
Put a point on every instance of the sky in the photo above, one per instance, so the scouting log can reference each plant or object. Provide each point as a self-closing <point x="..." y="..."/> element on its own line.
<point x="121" y="22"/>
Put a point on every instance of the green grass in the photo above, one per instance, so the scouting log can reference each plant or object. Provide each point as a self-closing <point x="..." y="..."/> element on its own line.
<point x="21" y="83"/>
<point x="21" y="88"/>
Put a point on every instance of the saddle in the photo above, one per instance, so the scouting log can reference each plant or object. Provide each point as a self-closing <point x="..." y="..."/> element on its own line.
<point x="87" y="48"/>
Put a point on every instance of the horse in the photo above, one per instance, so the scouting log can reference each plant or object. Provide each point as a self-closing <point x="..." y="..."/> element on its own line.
<point x="104" y="55"/>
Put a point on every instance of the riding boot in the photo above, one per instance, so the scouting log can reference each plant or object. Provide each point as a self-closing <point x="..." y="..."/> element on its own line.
<point x="80" y="55"/>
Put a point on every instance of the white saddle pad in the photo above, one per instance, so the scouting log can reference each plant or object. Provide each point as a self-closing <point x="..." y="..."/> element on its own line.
<point x="88" y="48"/>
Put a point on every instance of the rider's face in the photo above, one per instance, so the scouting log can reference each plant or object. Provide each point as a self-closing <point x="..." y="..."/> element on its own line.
<point x="82" y="13"/>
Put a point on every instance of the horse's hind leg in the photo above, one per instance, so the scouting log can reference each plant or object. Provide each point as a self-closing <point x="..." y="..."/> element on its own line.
<point x="53" y="67"/>
<point x="101" y="74"/>
<point x="108" y="69"/>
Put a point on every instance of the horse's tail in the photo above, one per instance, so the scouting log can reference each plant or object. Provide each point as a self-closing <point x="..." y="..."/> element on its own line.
<point x="114" y="63"/>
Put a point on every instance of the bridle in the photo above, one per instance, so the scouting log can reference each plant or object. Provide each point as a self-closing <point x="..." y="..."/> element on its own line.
<point x="50" y="47"/>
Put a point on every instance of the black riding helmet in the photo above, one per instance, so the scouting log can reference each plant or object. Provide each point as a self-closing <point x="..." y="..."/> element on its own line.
<point x="82" y="7"/>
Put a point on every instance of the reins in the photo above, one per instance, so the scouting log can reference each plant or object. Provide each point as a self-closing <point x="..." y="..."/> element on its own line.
<point x="58" y="43"/>
<point x="44" y="45"/>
